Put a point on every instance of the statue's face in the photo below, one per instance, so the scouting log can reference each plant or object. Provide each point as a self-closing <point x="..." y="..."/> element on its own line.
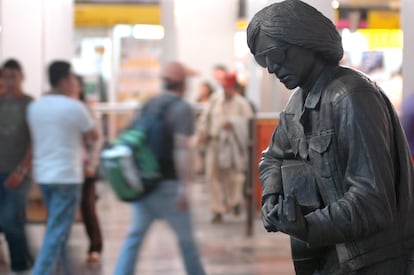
<point x="291" y="64"/>
<point x="277" y="55"/>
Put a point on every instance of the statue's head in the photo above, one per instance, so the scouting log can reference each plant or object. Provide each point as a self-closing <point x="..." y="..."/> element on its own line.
<point x="294" y="23"/>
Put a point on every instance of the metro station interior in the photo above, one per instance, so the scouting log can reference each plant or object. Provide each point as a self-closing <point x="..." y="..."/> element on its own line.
<point x="119" y="47"/>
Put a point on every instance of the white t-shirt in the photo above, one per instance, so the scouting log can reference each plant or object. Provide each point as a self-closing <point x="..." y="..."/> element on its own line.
<point x="57" y="124"/>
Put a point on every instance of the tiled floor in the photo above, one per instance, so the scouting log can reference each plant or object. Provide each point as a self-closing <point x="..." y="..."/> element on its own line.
<point x="225" y="248"/>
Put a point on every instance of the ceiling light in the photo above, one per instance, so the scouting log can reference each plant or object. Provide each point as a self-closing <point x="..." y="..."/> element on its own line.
<point x="335" y="4"/>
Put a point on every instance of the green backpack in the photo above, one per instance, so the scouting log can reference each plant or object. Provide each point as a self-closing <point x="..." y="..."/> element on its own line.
<point x="131" y="165"/>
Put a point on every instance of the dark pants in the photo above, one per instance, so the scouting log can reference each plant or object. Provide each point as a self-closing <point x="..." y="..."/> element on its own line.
<point x="305" y="260"/>
<point x="90" y="218"/>
<point x="12" y="221"/>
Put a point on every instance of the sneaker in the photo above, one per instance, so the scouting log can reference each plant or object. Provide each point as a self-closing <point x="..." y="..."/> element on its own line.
<point x="237" y="210"/>
<point x="93" y="258"/>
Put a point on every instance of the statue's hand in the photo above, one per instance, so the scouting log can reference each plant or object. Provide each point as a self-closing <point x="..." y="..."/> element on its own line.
<point x="288" y="218"/>
<point x="268" y="205"/>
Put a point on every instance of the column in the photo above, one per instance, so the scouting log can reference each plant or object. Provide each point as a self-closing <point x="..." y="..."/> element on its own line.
<point x="407" y="6"/>
<point x="36" y="32"/>
<point x="200" y="34"/>
<point x="169" y="49"/>
<point x="58" y="28"/>
<point x="261" y="88"/>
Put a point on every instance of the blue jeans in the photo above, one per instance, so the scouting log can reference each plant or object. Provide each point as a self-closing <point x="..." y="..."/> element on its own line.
<point x="62" y="202"/>
<point x="12" y="221"/>
<point x="159" y="204"/>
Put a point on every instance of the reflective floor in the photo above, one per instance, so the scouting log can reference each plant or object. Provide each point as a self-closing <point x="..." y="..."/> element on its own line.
<point x="225" y="247"/>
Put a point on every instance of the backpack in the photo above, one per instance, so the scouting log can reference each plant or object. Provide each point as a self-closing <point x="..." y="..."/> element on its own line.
<point x="133" y="164"/>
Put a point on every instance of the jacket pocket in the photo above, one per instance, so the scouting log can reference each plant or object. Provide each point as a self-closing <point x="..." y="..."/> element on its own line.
<point x="318" y="154"/>
<point x="298" y="179"/>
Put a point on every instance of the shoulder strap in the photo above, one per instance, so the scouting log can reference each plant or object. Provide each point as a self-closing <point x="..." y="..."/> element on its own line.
<point x="162" y="108"/>
<point x="159" y="111"/>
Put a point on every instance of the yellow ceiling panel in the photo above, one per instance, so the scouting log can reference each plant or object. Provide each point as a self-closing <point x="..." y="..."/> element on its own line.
<point x="106" y="15"/>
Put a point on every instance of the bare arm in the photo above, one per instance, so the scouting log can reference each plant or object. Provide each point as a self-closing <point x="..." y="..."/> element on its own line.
<point x="94" y="150"/>
<point x="21" y="171"/>
<point x="27" y="160"/>
<point x="92" y="134"/>
<point x="183" y="164"/>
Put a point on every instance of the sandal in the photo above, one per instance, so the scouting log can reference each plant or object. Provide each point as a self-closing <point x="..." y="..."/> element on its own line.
<point x="93" y="257"/>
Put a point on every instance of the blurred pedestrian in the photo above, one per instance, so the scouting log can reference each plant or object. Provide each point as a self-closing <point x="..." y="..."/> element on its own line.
<point x="58" y="125"/>
<point x="407" y="121"/>
<point x="1" y="84"/>
<point x="224" y="129"/>
<point x="1" y="93"/>
<point x="91" y="151"/>
<point x="242" y="91"/>
<point x="206" y="92"/>
<point x="219" y="73"/>
<point x="15" y="161"/>
<point x="169" y="201"/>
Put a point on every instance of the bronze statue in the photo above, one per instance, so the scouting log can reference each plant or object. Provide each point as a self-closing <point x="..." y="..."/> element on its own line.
<point x="337" y="175"/>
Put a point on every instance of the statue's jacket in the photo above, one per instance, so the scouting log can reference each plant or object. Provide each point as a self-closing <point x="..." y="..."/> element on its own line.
<point x="347" y="136"/>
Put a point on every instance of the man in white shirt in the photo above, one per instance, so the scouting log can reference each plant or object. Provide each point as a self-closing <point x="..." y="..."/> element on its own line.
<point x="58" y="125"/>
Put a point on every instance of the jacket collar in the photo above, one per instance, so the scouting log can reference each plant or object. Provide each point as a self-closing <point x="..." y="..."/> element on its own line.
<point x="314" y="96"/>
<point x="294" y="121"/>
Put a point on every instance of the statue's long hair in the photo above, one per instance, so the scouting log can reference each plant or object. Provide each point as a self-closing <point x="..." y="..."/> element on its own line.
<point x="297" y="23"/>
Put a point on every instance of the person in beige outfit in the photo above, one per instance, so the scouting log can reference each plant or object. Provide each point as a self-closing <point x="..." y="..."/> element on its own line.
<point x="224" y="127"/>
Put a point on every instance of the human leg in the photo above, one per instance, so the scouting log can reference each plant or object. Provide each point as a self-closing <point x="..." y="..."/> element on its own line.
<point x="90" y="218"/>
<point x="141" y="221"/>
<point x="216" y="191"/>
<point x="180" y="222"/>
<point x="235" y="181"/>
<point x="61" y="201"/>
<point x="13" y="220"/>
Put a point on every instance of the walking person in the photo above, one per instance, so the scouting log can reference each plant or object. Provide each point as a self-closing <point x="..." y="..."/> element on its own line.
<point x="169" y="201"/>
<point x="407" y="121"/>
<point x="58" y="125"/>
<point x="224" y="131"/>
<point x="206" y="92"/>
<point x="15" y="162"/>
<point x="89" y="197"/>
<point x="1" y="84"/>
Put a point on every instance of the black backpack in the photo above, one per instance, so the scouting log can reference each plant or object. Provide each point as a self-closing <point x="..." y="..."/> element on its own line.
<point x="142" y="155"/>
